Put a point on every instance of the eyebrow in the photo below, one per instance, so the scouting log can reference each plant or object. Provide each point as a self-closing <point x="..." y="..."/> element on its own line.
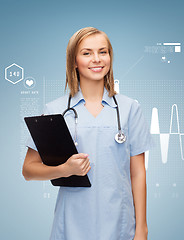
<point x="91" y="49"/>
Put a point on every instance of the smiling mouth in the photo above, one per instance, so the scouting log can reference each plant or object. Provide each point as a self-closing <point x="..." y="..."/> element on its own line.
<point x="96" y="69"/>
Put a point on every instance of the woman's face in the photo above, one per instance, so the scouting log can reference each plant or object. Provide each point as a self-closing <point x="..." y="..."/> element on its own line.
<point x="92" y="58"/>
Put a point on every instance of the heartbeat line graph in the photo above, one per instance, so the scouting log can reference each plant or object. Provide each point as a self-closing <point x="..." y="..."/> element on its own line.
<point x="164" y="137"/>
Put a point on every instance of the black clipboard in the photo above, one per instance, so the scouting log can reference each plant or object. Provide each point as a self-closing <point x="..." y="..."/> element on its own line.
<point x="55" y="145"/>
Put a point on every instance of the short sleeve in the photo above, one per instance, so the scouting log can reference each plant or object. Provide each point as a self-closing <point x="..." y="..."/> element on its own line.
<point x="30" y="143"/>
<point x="140" y="139"/>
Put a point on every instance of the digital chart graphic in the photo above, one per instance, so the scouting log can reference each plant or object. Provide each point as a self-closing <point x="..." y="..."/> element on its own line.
<point x="164" y="137"/>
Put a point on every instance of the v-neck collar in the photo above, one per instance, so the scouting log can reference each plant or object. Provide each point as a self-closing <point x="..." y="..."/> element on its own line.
<point x="78" y="98"/>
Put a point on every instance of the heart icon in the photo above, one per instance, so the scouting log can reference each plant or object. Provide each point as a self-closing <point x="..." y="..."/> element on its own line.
<point x="29" y="82"/>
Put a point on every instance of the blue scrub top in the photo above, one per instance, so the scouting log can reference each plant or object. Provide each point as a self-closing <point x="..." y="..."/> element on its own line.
<point x="106" y="210"/>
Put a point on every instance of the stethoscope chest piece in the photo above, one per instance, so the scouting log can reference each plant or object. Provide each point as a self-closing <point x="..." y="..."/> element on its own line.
<point x="120" y="137"/>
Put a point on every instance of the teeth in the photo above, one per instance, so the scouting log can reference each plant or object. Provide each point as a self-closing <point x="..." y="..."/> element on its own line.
<point x="97" y="68"/>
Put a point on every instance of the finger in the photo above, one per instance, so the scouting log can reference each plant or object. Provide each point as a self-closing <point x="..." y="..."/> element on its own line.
<point x="87" y="170"/>
<point x="83" y="161"/>
<point x="80" y="155"/>
<point x="86" y="166"/>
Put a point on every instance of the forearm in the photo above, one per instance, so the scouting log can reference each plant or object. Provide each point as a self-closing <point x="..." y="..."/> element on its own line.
<point x="39" y="171"/>
<point x="34" y="169"/>
<point x="139" y="196"/>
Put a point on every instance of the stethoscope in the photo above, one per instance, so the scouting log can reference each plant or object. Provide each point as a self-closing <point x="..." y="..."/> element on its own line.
<point x="119" y="137"/>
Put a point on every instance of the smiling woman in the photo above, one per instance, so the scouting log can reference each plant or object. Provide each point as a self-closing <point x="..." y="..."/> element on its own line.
<point x="114" y="207"/>
<point x="92" y="58"/>
<point x="89" y="49"/>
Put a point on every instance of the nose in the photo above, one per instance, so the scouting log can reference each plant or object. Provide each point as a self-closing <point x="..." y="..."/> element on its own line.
<point x="96" y="57"/>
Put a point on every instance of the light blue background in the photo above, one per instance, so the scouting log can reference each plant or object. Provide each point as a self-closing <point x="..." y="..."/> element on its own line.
<point x="34" y="35"/>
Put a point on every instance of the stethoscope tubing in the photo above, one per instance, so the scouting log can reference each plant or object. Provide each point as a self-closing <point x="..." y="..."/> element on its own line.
<point x="119" y="137"/>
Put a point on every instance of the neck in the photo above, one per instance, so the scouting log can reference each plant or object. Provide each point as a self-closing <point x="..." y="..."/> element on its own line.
<point x="92" y="90"/>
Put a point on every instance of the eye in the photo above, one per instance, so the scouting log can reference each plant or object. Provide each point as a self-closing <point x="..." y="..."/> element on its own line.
<point x="86" y="53"/>
<point x="103" y="52"/>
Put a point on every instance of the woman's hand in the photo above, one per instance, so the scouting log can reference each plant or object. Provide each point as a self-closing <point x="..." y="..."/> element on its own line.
<point x="34" y="169"/>
<point x="77" y="164"/>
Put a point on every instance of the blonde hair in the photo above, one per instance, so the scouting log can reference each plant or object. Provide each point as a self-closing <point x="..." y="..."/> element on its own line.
<point x="72" y="74"/>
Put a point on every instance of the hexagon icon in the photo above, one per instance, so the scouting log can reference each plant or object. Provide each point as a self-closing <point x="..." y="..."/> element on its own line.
<point x="14" y="73"/>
